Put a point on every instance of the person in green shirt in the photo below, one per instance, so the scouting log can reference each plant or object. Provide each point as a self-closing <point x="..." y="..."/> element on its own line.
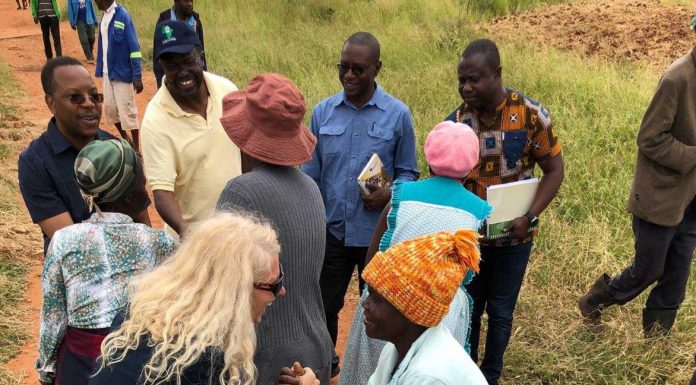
<point x="47" y="13"/>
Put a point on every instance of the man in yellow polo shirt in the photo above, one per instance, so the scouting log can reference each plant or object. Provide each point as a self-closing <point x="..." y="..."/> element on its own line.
<point x="187" y="154"/>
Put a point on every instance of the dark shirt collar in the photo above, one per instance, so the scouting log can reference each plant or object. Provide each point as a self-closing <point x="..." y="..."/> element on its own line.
<point x="59" y="143"/>
<point x="378" y="99"/>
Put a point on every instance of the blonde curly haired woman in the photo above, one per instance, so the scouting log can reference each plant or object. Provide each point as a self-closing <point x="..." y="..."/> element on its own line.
<point x="191" y="320"/>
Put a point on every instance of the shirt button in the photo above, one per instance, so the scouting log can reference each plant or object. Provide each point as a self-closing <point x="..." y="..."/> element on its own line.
<point x="356" y="134"/>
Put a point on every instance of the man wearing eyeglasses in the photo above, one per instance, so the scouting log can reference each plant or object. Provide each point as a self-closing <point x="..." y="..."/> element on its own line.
<point x="350" y="127"/>
<point x="46" y="175"/>
<point x="187" y="155"/>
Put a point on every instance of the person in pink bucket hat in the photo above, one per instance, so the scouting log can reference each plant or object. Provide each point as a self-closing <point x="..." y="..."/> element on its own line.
<point x="265" y="122"/>
<point x="439" y="203"/>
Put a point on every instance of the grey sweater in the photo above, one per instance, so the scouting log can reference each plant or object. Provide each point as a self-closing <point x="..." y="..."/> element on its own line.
<point x="293" y="328"/>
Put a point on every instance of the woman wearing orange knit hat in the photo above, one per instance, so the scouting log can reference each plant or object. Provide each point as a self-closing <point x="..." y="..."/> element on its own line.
<point x="438" y="203"/>
<point x="411" y="286"/>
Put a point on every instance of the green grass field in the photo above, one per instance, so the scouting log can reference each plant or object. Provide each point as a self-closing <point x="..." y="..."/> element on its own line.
<point x="596" y="105"/>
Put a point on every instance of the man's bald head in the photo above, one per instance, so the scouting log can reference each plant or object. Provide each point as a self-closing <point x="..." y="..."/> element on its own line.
<point x="365" y="39"/>
<point x="484" y="47"/>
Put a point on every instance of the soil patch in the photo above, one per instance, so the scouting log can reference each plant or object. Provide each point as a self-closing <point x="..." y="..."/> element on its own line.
<point x="623" y="30"/>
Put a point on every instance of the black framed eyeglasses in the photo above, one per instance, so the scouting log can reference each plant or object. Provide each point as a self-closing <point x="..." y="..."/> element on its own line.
<point x="358" y="69"/>
<point x="274" y="287"/>
<point x="78" y="99"/>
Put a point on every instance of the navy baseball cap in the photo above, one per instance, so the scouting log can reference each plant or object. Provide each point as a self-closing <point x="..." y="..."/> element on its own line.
<point x="173" y="36"/>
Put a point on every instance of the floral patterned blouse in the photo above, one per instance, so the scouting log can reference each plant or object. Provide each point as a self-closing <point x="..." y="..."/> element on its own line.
<point x="86" y="274"/>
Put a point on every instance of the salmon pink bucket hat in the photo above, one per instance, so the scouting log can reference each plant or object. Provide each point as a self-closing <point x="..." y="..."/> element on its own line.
<point x="265" y="121"/>
<point x="452" y="149"/>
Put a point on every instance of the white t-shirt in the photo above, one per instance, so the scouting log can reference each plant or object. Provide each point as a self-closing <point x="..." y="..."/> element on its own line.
<point x="104" y="33"/>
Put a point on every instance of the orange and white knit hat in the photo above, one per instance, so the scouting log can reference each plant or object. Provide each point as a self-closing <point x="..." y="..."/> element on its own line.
<point x="420" y="277"/>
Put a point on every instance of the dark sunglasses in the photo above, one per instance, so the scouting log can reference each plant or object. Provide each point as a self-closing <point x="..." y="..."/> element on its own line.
<point x="274" y="287"/>
<point x="356" y="68"/>
<point x="80" y="98"/>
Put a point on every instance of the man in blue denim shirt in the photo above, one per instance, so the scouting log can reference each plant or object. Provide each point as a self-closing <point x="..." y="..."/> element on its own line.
<point x="350" y="126"/>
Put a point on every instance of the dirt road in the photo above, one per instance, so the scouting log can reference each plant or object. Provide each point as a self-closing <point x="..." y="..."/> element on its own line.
<point x="22" y="48"/>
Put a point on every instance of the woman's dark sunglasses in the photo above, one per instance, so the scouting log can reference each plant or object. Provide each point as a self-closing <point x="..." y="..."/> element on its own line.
<point x="274" y="287"/>
<point x="356" y="68"/>
<point x="80" y="98"/>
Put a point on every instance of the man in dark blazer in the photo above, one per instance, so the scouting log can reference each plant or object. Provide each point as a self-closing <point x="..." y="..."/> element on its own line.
<point x="663" y="207"/>
<point x="182" y="11"/>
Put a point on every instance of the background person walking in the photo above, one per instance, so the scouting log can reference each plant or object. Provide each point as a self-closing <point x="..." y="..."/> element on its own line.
<point x="663" y="205"/>
<point x="119" y="63"/>
<point x="84" y="20"/>
<point x="47" y="13"/>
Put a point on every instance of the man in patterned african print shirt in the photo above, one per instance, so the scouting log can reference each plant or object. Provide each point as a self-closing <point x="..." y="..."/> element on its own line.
<point x="515" y="134"/>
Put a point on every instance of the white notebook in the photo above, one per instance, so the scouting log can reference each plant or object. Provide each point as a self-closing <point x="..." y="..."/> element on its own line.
<point x="509" y="201"/>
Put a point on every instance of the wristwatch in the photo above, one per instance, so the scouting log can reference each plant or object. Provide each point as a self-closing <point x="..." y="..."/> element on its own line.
<point x="533" y="219"/>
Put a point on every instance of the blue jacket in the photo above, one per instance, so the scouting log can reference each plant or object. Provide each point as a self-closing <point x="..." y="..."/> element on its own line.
<point x="123" y="57"/>
<point x="74" y="7"/>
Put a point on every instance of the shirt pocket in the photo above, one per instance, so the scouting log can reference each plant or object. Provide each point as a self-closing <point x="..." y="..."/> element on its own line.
<point x="514" y="143"/>
<point x="379" y="132"/>
<point x="119" y="32"/>
<point x="332" y="137"/>
<point x="379" y="141"/>
<point x="665" y="176"/>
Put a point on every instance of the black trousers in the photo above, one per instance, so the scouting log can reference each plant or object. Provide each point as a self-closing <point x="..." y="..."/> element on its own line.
<point x="663" y="254"/>
<point x="51" y="25"/>
<point x="339" y="264"/>
<point x="85" y="33"/>
<point x="495" y="290"/>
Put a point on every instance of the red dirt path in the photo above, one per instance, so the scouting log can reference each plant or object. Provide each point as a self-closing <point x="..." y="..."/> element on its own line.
<point x="22" y="48"/>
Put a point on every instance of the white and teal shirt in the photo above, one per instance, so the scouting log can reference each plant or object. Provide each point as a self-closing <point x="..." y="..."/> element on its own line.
<point x="86" y="274"/>
<point x="435" y="358"/>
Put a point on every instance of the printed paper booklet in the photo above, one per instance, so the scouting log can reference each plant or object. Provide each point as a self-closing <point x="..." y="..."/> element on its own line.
<point x="374" y="173"/>
<point x="509" y="201"/>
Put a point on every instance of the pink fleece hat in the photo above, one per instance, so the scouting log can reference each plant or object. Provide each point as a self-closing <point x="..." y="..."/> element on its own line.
<point x="452" y="149"/>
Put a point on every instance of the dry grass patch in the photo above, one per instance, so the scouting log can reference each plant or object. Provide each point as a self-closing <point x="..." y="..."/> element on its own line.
<point x="17" y="237"/>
